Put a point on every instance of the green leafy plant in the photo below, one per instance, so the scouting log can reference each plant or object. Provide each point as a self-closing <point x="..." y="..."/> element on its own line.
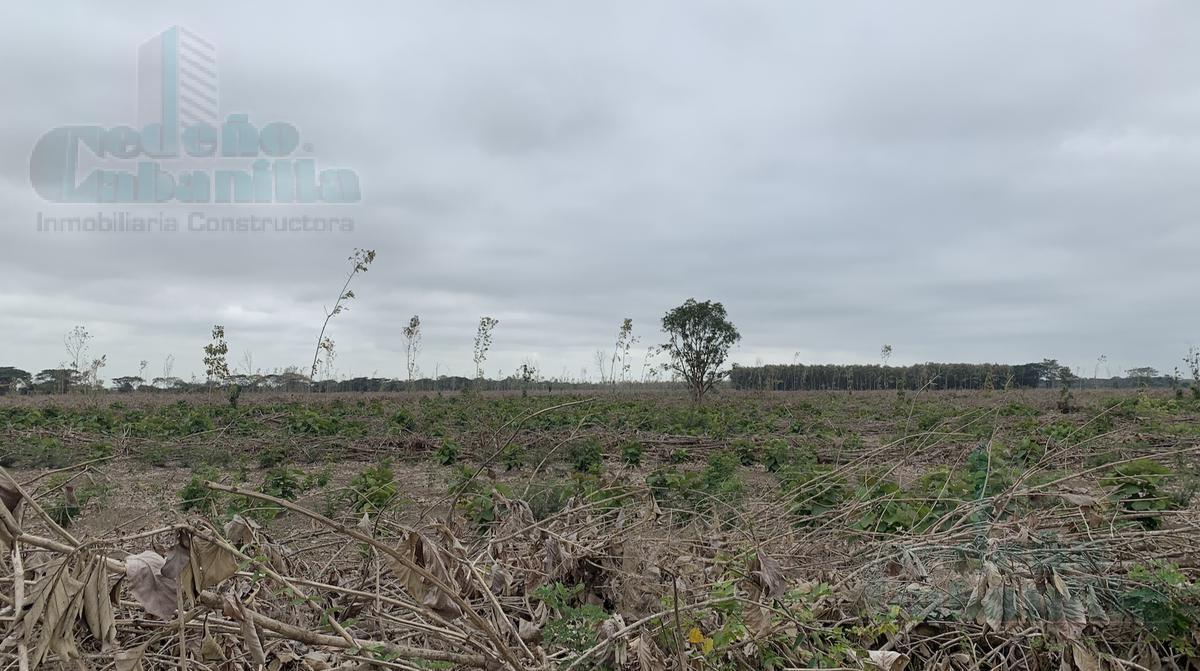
<point x="1139" y="487"/>
<point x="746" y="451"/>
<point x="403" y="420"/>
<point x="374" y="488"/>
<point x="573" y="624"/>
<point x="720" y="477"/>
<point x="320" y="479"/>
<point x="271" y="457"/>
<point x="1166" y="604"/>
<point x="777" y="454"/>
<point x="513" y="457"/>
<point x="37" y="452"/>
<point x="1026" y="452"/>
<point x="586" y="455"/>
<point x="691" y="491"/>
<point x="814" y="492"/>
<point x="631" y="453"/>
<point x="283" y="483"/>
<point x="886" y="508"/>
<point x="195" y="496"/>
<point x="447" y="454"/>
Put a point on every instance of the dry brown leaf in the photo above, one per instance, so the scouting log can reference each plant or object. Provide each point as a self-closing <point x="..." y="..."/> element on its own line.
<point x="155" y="591"/>
<point x="251" y="636"/>
<point x="618" y="651"/>
<point x="501" y="580"/>
<point x="317" y="661"/>
<point x="647" y="655"/>
<point x="888" y="660"/>
<point x="1084" y="659"/>
<point x="10" y="494"/>
<point x="1081" y="500"/>
<point x="58" y="598"/>
<point x="421" y="552"/>
<point x="241" y="531"/>
<point x="768" y="575"/>
<point x="211" y="650"/>
<point x="209" y="565"/>
<point x="97" y="608"/>
<point x="131" y="659"/>
<point x="529" y="631"/>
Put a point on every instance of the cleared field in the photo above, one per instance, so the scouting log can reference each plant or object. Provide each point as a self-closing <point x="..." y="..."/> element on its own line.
<point x="940" y="530"/>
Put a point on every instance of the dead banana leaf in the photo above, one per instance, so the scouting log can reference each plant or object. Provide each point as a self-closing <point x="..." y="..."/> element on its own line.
<point x="97" y="608"/>
<point x="11" y="497"/>
<point x="423" y="553"/>
<point x="252" y="637"/>
<point x="57" y="601"/>
<point x="646" y="653"/>
<point x="210" y="650"/>
<point x="888" y="660"/>
<point x="243" y="533"/>
<point x="209" y="565"/>
<point x="149" y="587"/>
<point x="131" y="659"/>
<point x="768" y="575"/>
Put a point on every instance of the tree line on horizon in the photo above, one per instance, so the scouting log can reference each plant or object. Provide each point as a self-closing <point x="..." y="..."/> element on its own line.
<point x="961" y="376"/>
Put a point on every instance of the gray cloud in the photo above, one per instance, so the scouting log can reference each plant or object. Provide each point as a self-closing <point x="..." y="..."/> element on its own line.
<point x="965" y="182"/>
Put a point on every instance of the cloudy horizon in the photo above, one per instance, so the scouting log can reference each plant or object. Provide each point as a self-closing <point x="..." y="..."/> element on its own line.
<point x="967" y="183"/>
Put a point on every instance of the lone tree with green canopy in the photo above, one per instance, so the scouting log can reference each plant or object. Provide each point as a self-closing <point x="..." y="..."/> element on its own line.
<point x="700" y="336"/>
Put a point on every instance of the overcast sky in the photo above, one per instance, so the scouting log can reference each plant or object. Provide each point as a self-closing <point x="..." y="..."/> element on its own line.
<point x="966" y="183"/>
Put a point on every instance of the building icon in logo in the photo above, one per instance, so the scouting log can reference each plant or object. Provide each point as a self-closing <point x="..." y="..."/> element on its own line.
<point x="177" y="82"/>
<point x="182" y="150"/>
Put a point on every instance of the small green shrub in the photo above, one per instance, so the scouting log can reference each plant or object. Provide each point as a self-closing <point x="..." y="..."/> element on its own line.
<point x="1139" y="487"/>
<point x="513" y="457"/>
<point x="813" y="491"/>
<point x="886" y="508"/>
<point x="586" y="455"/>
<point x="480" y="509"/>
<point x="320" y="479"/>
<point x="272" y="457"/>
<point x="720" y="477"/>
<point x="690" y="491"/>
<point x="38" y="452"/>
<point x="447" y="454"/>
<point x="1166" y="604"/>
<point x="573" y="623"/>
<point x="631" y="453"/>
<point x="548" y="498"/>
<point x="777" y="454"/>
<point x="746" y="451"/>
<point x="195" y="496"/>
<point x="1059" y="431"/>
<point x="283" y="483"/>
<point x="404" y="421"/>
<point x="158" y="456"/>
<point x="1027" y="452"/>
<point x="374" y="488"/>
